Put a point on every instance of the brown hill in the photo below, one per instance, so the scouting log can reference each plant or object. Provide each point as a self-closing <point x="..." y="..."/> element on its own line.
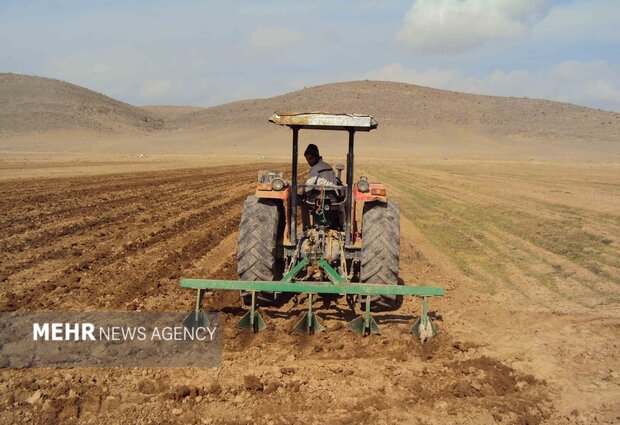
<point x="172" y="111"/>
<point x="413" y="122"/>
<point x="406" y="106"/>
<point x="34" y="105"/>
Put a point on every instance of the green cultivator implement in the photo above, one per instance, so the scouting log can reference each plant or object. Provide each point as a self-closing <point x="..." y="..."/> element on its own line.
<point x="309" y="323"/>
<point x="350" y="244"/>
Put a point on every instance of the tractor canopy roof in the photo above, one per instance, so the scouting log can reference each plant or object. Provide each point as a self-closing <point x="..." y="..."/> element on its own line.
<point x="325" y="121"/>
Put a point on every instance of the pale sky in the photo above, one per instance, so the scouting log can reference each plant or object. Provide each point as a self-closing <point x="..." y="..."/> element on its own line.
<point x="207" y="53"/>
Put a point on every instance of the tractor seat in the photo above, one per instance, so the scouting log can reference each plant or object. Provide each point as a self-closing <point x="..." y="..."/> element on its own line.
<point x="310" y="193"/>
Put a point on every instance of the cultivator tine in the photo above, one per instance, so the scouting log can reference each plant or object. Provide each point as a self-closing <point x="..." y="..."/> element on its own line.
<point x="198" y="318"/>
<point x="308" y="323"/>
<point x="423" y="327"/>
<point x="366" y="324"/>
<point x="252" y="320"/>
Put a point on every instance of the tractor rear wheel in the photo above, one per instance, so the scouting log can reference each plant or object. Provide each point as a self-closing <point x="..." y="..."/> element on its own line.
<point x="257" y="247"/>
<point x="381" y="251"/>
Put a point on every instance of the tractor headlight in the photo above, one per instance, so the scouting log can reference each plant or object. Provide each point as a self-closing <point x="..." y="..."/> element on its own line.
<point x="362" y="185"/>
<point x="277" y="184"/>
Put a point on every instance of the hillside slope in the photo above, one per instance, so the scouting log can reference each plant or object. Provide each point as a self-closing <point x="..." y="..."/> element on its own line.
<point x="406" y="106"/>
<point x="44" y="115"/>
<point x="34" y="105"/>
<point x="171" y="111"/>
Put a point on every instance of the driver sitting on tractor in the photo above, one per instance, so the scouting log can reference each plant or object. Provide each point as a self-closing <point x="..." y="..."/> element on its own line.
<point x="321" y="173"/>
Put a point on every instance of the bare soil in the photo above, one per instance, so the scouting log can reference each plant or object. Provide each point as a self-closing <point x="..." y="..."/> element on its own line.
<point x="528" y="330"/>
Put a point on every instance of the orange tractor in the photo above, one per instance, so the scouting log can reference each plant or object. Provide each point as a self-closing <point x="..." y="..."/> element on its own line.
<point x="346" y="241"/>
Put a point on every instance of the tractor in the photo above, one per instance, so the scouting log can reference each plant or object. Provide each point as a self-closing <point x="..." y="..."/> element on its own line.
<point x="332" y="240"/>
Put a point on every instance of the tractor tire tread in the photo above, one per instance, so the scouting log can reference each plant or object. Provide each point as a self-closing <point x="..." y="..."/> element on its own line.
<point x="380" y="254"/>
<point x="258" y="234"/>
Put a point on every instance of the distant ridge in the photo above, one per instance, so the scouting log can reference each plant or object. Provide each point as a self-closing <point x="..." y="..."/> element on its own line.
<point x="171" y="111"/>
<point x="400" y="105"/>
<point x="35" y="105"/>
<point x="42" y="114"/>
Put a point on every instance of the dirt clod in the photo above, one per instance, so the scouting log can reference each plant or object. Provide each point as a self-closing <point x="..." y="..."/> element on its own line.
<point x="252" y="383"/>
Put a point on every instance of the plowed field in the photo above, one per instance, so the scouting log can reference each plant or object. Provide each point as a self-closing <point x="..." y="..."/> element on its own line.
<point x="528" y="331"/>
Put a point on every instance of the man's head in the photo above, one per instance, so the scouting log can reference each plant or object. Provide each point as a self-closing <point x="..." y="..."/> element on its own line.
<point x="312" y="154"/>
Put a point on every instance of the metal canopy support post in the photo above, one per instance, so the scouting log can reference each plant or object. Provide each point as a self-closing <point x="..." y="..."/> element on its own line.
<point x="349" y="202"/>
<point x="294" y="186"/>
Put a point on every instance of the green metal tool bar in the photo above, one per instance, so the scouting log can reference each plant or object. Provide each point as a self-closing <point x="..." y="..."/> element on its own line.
<point x="288" y="277"/>
<point x="309" y="323"/>
<point x="333" y="274"/>
<point x="314" y="287"/>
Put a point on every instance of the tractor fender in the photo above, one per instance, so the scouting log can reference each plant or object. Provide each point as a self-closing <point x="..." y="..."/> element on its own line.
<point x="376" y="192"/>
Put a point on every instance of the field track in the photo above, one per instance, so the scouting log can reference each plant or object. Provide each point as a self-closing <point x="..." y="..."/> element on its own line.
<point x="121" y="242"/>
